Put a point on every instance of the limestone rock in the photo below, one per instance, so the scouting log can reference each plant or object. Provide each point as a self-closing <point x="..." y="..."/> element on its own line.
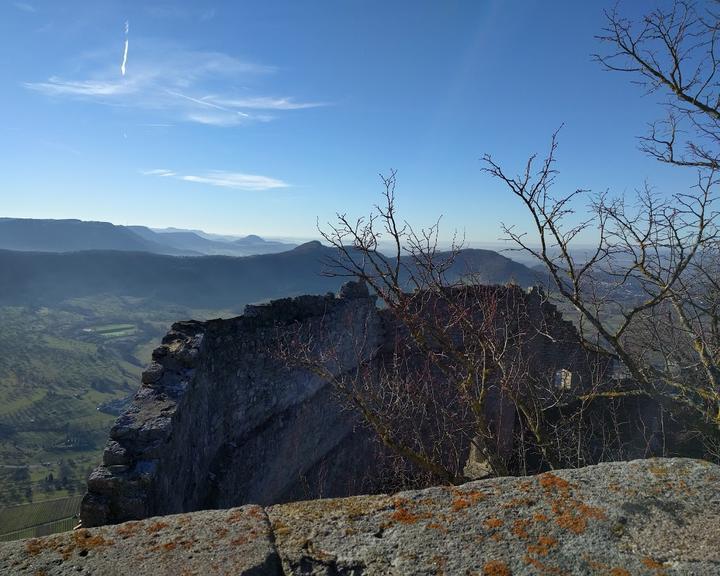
<point x="221" y="421"/>
<point x="643" y="518"/>
<point x="153" y="373"/>
<point x="235" y="541"/>
<point x="647" y="517"/>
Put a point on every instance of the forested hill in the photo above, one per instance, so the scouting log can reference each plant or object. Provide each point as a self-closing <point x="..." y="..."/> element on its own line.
<point x="203" y="282"/>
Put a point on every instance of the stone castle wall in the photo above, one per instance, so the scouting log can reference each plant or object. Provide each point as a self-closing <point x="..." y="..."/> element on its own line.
<point x="220" y="421"/>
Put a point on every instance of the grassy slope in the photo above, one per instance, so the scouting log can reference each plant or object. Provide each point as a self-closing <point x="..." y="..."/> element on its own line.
<point x="59" y="364"/>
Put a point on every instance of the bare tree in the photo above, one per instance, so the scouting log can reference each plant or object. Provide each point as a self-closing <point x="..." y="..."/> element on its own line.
<point x="648" y="290"/>
<point x="673" y="52"/>
<point x="465" y="357"/>
<point x="465" y="370"/>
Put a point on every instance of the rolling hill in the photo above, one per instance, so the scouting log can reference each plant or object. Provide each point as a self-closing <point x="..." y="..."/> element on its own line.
<point x="200" y="282"/>
<point x="26" y="234"/>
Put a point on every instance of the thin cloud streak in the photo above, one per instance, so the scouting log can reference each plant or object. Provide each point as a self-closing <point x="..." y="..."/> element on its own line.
<point x="222" y="119"/>
<point x="224" y="179"/>
<point x="268" y="103"/>
<point x="181" y="85"/>
<point x="82" y="88"/>
<point x="158" y="172"/>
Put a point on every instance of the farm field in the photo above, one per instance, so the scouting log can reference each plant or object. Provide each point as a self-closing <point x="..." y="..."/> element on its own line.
<point x="65" y="373"/>
<point x="39" y="518"/>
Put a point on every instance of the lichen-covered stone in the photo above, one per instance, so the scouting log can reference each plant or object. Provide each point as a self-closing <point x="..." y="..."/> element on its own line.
<point x="650" y="517"/>
<point x="643" y="518"/>
<point x="236" y="541"/>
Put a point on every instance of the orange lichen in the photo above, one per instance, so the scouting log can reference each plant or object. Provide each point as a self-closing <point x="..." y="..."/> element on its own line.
<point x="543" y="547"/>
<point x="437" y="526"/>
<point x="404" y="516"/>
<point x="256" y="512"/>
<point x="156" y="526"/>
<point x="128" y="529"/>
<point x="236" y="516"/>
<point x="540" y="517"/>
<point x="404" y="512"/>
<point x="519" y="528"/>
<point x="573" y="515"/>
<point x="239" y="540"/>
<point x="496" y="568"/>
<point x="165" y="546"/>
<point x="602" y="568"/>
<point x="517" y="502"/>
<point x="464" y="499"/>
<point x="551" y="482"/>
<point x="491" y="523"/>
<point x="82" y="539"/>
<point x="652" y="563"/>
<point x="34" y="546"/>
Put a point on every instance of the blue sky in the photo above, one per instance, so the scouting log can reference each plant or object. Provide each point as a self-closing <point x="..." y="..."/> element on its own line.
<point x="264" y="116"/>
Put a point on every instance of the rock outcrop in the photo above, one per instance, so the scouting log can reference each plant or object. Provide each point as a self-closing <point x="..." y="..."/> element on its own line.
<point x="646" y="517"/>
<point x="221" y="421"/>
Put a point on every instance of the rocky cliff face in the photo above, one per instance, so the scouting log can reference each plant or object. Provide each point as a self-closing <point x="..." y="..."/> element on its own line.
<point x="220" y="421"/>
<point x="642" y="518"/>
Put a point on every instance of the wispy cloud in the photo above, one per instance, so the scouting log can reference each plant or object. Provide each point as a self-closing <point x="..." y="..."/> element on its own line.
<point x="178" y="84"/>
<point x="158" y="172"/>
<point x="24" y="6"/>
<point x="265" y="103"/>
<point x="83" y="88"/>
<point x="224" y="119"/>
<point x="223" y="179"/>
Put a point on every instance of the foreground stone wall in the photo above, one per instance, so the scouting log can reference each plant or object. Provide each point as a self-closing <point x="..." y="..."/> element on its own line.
<point x="642" y="518"/>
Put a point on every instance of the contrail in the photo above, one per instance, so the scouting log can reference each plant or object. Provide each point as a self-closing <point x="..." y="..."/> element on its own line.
<point x="205" y="103"/>
<point x="124" y="61"/>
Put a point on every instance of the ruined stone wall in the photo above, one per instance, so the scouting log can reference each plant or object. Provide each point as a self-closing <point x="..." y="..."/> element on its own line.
<point x="221" y="421"/>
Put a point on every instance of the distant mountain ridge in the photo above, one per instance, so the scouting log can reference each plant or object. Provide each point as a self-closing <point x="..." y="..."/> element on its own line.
<point x="210" y="282"/>
<point x="36" y="235"/>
